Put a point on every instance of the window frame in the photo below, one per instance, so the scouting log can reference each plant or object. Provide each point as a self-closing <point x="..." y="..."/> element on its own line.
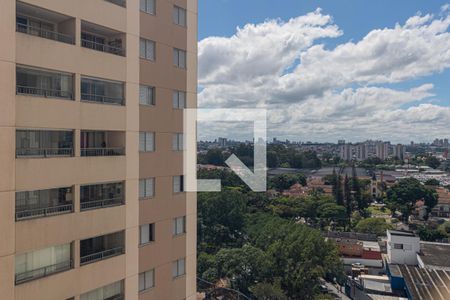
<point x="150" y="90"/>
<point x="181" y="184"/>
<point x="145" y="287"/>
<point x="146" y="136"/>
<point x="145" y="196"/>
<point x="146" y="42"/>
<point x="176" y="16"/>
<point x="145" y="10"/>
<point x="176" y="62"/>
<point x="177" y="141"/>
<point x="175" y="229"/>
<point x="176" y="99"/>
<point x="176" y="268"/>
<point x="151" y="232"/>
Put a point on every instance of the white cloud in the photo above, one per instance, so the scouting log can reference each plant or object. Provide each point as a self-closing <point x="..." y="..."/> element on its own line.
<point x="350" y="90"/>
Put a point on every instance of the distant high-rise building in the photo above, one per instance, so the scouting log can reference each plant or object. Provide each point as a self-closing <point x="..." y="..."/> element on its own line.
<point x="346" y="152"/>
<point x="362" y="152"/>
<point x="382" y="150"/>
<point x="446" y="143"/>
<point x="341" y="142"/>
<point x="222" y="142"/>
<point x="399" y="151"/>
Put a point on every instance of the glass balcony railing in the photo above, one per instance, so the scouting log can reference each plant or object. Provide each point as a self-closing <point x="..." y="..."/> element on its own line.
<point x="102" y="99"/>
<point x="46" y="34"/>
<point x="102" y="151"/>
<point x="43" y="272"/>
<point x="47" y="93"/>
<point x="101" y="203"/>
<point x="102" y="47"/>
<point x="44" y="152"/>
<point x="43" y="212"/>
<point x="87" y="259"/>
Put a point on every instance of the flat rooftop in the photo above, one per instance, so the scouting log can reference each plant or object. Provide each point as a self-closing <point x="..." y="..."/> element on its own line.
<point x="435" y="254"/>
<point x="424" y="284"/>
<point x="401" y="233"/>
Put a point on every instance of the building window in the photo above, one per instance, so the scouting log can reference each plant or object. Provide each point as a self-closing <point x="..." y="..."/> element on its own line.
<point x="102" y="91"/>
<point x="179" y="16"/>
<point x="146" y="95"/>
<point x="179" y="268"/>
<point x="146" y="280"/>
<point x="179" y="99"/>
<point x="43" y="203"/>
<point x="398" y="246"/>
<point x="179" y="58"/>
<point x="146" y="188"/>
<point x="44" y="143"/>
<point x="148" y="6"/>
<point x="44" y="83"/>
<point x="43" y="262"/>
<point x="101" y="195"/>
<point x="146" y="233"/>
<point x="146" y="141"/>
<point x="177" y="142"/>
<point x="179" y="225"/>
<point x="111" y="291"/>
<point x="147" y="49"/>
<point x="178" y="184"/>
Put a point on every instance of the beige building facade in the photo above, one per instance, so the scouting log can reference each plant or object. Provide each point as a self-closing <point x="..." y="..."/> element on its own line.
<point x="92" y="200"/>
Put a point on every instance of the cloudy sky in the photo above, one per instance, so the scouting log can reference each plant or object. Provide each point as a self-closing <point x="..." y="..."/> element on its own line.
<point x="328" y="70"/>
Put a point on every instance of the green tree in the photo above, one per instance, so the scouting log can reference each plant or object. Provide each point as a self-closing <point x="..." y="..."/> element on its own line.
<point x="215" y="157"/>
<point x="432" y="182"/>
<point x="430" y="234"/>
<point x="403" y="196"/>
<point x="347" y="196"/>
<point x="432" y="162"/>
<point x="221" y="218"/>
<point x="268" y="291"/>
<point x="444" y="228"/>
<point x="272" y="159"/>
<point x="244" y="266"/>
<point x="376" y="226"/>
<point x="285" y="181"/>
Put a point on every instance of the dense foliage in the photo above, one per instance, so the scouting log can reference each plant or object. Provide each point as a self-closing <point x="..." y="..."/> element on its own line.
<point x="376" y="226"/>
<point x="405" y="193"/>
<point x="260" y="246"/>
<point x="277" y="156"/>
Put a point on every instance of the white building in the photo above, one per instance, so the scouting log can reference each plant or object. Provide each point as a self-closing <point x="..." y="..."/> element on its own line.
<point x="402" y="247"/>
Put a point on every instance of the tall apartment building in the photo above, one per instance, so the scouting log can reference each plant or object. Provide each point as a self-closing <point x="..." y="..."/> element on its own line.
<point x="383" y="150"/>
<point x="362" y="152"/>
<point x="92" y="204"/>
<point x="346" y="152"/>
<point x="399" y="151"/>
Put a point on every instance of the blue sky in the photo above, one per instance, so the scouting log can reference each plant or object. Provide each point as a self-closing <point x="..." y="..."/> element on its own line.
<point x="355" y="18"/>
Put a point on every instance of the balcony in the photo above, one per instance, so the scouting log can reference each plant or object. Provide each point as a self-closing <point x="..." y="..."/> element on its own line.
<point x="101" y="195"/>
<point x="42" y="263"/>
<point x="102" y="143"/>
<point x="43" y="203"/>
<point x="113" y="291"/>
<point x="102" y="91"/>
<point x="102" y="39"/>
<point x="118" y="2"/>
<point x="43" y="143"/>
<point x="102" y="247"/>
<point x="43" y="83"/>
<point x="43" y="23"/>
